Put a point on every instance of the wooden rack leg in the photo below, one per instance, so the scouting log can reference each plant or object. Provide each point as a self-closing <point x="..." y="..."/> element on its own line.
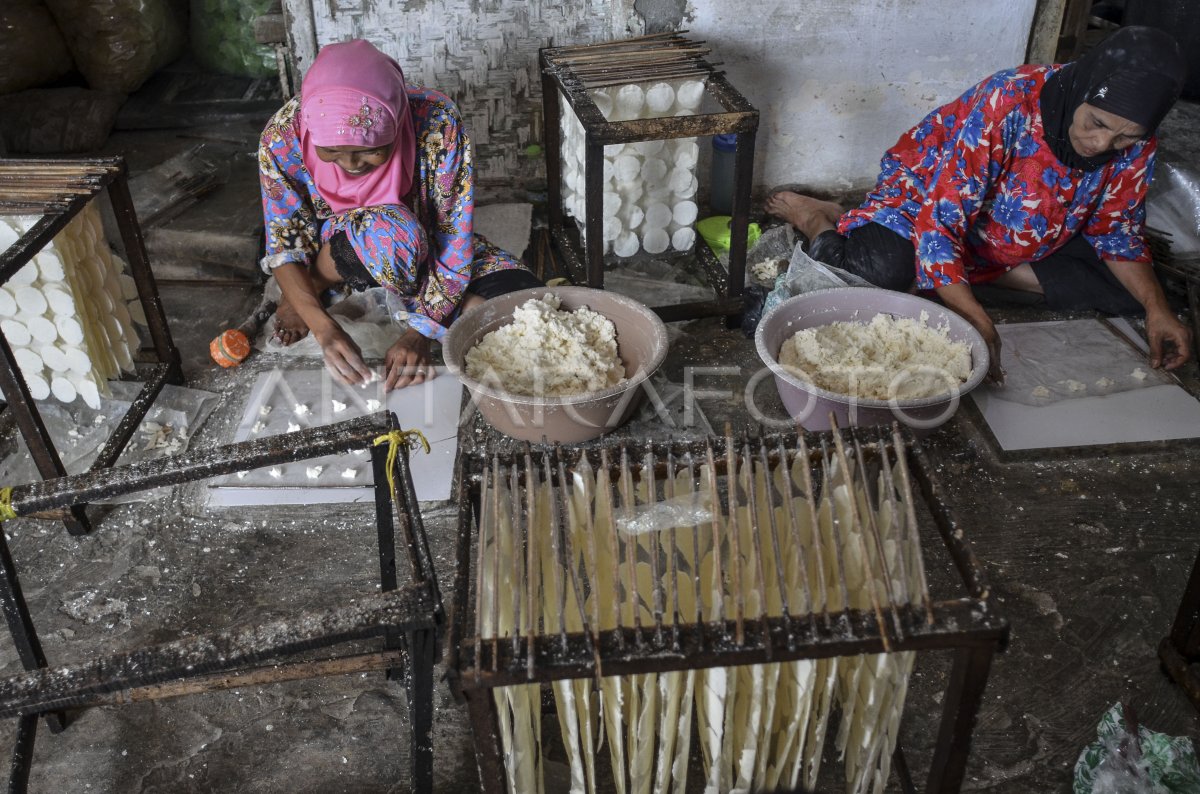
<point x="386" y="528"/>
<point x="481" y="706"/>
<point x="20" y="624"/>
<point x="143" y="277"/>
<point x="22" y="756"/>
<point x="959" y="712"/>
<point x="420" y="707"/>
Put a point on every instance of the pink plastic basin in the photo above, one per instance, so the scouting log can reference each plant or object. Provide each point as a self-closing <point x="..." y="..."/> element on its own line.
<point x="812" y="406"/>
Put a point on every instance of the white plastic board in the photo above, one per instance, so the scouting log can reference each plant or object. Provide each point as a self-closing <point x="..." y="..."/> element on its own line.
<point x="272" y="409"/>
<point x="1157" y="413"/>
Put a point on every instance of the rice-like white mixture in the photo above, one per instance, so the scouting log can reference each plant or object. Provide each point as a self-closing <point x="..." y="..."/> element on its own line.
<point x="549" y="352"/>
<point x="887" y="358"/>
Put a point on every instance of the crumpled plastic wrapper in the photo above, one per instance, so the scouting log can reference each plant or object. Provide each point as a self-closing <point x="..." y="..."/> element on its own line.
<point x="1120" y="762"/>
<point x="681" y="511"/>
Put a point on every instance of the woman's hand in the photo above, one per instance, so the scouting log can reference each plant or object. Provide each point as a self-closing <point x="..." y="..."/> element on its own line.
<point x="990" y="336"/>
<point x="407" y="361"/>
<point x="959" y="298"/>
<point x="342" y="355"/>
<point x="1170" y="340"/>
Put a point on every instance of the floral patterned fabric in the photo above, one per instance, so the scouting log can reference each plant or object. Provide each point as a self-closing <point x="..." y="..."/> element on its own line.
<point x="978" y="190"/>
<point x="425" y="252"/>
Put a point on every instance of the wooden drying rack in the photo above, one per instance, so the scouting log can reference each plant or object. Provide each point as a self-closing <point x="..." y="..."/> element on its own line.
<point x="58" y="190"/>
<point x="573" y="72"/>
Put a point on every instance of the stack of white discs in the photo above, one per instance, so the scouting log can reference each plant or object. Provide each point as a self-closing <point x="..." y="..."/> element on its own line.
<point x="67" y="314"/>
<point x="649" y="186"/>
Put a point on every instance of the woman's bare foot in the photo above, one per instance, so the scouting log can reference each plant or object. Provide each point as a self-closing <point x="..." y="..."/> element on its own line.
<point x="809" y="215"/>
<point x="289" y="328"/>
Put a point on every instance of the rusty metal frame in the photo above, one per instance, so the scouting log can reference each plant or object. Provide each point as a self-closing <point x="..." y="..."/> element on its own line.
<point x="409" y="617"/>
<point x="968" y="625"/>
<point x="58" y="189"/>
<point x="587" y="266"/>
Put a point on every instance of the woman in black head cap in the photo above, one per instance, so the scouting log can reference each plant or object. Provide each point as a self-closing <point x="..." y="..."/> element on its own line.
<point x="1034" y="180"/>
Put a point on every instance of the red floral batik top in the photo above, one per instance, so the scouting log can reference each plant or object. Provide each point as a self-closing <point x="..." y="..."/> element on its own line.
<point x="979" y="191"/>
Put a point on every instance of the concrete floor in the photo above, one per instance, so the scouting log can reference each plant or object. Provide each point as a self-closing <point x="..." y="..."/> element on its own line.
<point x="1087" y="556"/>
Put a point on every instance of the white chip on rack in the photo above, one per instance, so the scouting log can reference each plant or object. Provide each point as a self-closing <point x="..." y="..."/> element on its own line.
<point x="658" y="215"/>
<point x="63" y="390"/>
<point x="660" y="97"/>
<point x="684" y="212"/>
<point x="656" y="241"/>
<point x="54" y="358"/>
<point x="78" y="360"/>
<point x="50" y="266"/>
<point x="42" y="330"/>
<point x="683" y="239"/>
<point x="15" y="333"/>
<point x="25" y="276"/>
<point x="689" y="94"/>
<point x="626" y="244"/>
<point x="69" y="329"/>
<point x="8" y="304"/>
<point x="128" y="286"/>
<point x="654" y="170"/>
<point x="60" y="301"/>
<point x="89" y="392"/>
<point x="39" y="388"/>
<point x="136" y="312"/>
<point x="27" y="360"/>
<point x="30" y="301"/>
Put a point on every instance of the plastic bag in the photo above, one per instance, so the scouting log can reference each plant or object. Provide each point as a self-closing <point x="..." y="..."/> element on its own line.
<point x="222" y="33"/>
<point x="33" y="51"/>
<point x="57" y="120"/>
<point x="1173" y="206"/>
<point x="763" y="261"/>
<point x="805" y="274"/>
<point x="1141" y="761"/>
<point x="118" y="44"/>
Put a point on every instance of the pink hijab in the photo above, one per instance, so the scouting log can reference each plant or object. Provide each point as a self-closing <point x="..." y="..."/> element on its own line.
<point x="354" y="95"/>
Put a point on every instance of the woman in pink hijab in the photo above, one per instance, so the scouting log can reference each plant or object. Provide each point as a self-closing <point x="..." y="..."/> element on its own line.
<point x="367" y="181"/>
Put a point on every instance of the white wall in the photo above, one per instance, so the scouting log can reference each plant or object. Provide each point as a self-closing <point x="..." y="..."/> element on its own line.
<point x="836" y="81"/>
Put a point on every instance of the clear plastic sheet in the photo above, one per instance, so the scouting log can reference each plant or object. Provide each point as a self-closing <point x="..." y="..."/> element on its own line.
<point x="681" y="511"/>
<point x="1068" y="359"/>
<point x="805" y="274"/>
<point x="80" y="432"/>
<point x="370" y="317"/>
<point x="1173" y="207"/>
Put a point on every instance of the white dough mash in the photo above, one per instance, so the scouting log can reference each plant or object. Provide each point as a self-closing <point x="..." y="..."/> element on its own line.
<point x="884" y="358"/>
<point x="549" y="352"/>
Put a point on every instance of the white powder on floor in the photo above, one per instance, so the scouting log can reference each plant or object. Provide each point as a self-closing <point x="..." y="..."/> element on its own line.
<point x="549" y="352"/>
<point x="885" y="358"/>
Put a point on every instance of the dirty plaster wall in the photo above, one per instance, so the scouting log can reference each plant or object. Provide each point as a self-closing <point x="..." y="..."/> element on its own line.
<point x="836" y="81"/>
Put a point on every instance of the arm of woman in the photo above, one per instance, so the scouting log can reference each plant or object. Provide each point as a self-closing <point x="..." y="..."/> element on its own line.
<point x="449" y="181"/>
<point x="1115" y="231"/>
<point x="1170" y="340"/>
<point x="963" y="170"/>
<point x="292" y="242"/>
